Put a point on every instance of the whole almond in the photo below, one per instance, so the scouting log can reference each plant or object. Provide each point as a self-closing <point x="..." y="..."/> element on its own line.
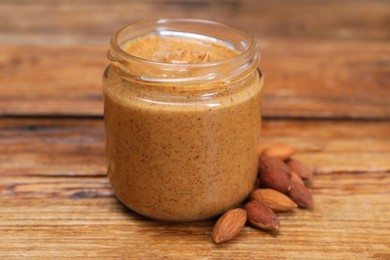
<point x="283" y="152"/>
<point x="275" y="200"/>
<point x="229" y="225"/>
<point x="301" y="169"/>
<point x="266" y="162"/>
<point x="261" y="216"/>
<point x="274" y="174"/>
<point x="301" y="195"/>
<point x="295" y="178"/>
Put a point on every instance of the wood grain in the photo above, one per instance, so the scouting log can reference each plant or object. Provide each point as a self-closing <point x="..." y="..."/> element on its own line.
<point x="56" y="201"/>
<point x="327" y="78"/>
<point x="81" y="187"/>
<point x="302" y="79"/>
<point x="322" y="60"/>
<point x="46" y="217"/>
<point x="48" y="147"/>
<point x="94" y="21"/>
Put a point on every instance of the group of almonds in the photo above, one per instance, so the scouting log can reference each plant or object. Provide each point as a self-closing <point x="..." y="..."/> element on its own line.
<point x="280" y="187"/>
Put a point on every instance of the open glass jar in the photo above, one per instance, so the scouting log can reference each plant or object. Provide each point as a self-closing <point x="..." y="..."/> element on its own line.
<point x="182" y="138"/>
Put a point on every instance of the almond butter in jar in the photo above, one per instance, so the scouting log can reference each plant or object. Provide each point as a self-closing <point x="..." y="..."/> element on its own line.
<point x="182" y="108"/>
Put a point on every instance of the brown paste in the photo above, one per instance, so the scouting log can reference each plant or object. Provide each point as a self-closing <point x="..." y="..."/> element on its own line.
<point x="184" y="158"/>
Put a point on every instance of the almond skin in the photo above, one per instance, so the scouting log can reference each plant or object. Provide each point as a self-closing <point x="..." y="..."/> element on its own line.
<point x="273" y="162"/>
<point x="301" y="169"/>
<point x="275" y="200"/>
<point x="261" y="216"/>
<point x="283" y="152"/>
<point x="274" y="174"/>
<point x="229" y="225"/>
<point x="301" y="195"/>
<point x="295" y="178"/>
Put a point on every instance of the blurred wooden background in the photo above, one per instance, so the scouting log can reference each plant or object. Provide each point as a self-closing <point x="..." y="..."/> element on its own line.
<point x="320" y="58"/>
<point x="327" y="92"/>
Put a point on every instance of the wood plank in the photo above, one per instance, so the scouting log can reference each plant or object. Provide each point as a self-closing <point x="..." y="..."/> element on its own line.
<point x="51" y="80"/>
<point x="47" y="147"/>
<point x="88" y="187"/>
<point x="321" y="60"/>
<point x="94" y="21"/>
<point x="346" y="224"/>
<point x="49" y="209"/>
<point x="324" y="79"/>
<point x="46" y="187"/>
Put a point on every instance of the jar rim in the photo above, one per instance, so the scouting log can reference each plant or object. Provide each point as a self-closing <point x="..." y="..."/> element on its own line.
<point x="136" y="68"/>
<point x="251" y="50"/>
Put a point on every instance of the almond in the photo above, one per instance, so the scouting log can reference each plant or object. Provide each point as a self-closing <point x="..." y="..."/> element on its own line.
<point x="229" y="225"/>
<point x="261" y="216"/>
<point x="274" y="174"/>
<point x="275" y="200"/>
<point x="301" y="195"/>
<point x="283" y="152"/>
<point x="295" y="178"/>
<point x="273" y="163"/>
<point x="301" y="169"/>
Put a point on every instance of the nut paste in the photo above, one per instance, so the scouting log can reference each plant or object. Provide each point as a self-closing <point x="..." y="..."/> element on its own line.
<point x="181" y="150"/>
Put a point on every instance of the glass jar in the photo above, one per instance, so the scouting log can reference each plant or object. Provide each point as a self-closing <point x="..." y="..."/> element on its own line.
<point x="182" y="139"/>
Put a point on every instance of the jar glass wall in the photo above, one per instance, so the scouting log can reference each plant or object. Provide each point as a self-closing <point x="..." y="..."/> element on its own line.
<point x="182" y="138"/>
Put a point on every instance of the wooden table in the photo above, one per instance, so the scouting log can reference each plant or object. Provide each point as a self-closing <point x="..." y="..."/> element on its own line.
<point x="327" y="93"/>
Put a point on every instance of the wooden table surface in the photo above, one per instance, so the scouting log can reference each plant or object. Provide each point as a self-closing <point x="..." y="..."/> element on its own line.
<point x="327" y="93"/>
